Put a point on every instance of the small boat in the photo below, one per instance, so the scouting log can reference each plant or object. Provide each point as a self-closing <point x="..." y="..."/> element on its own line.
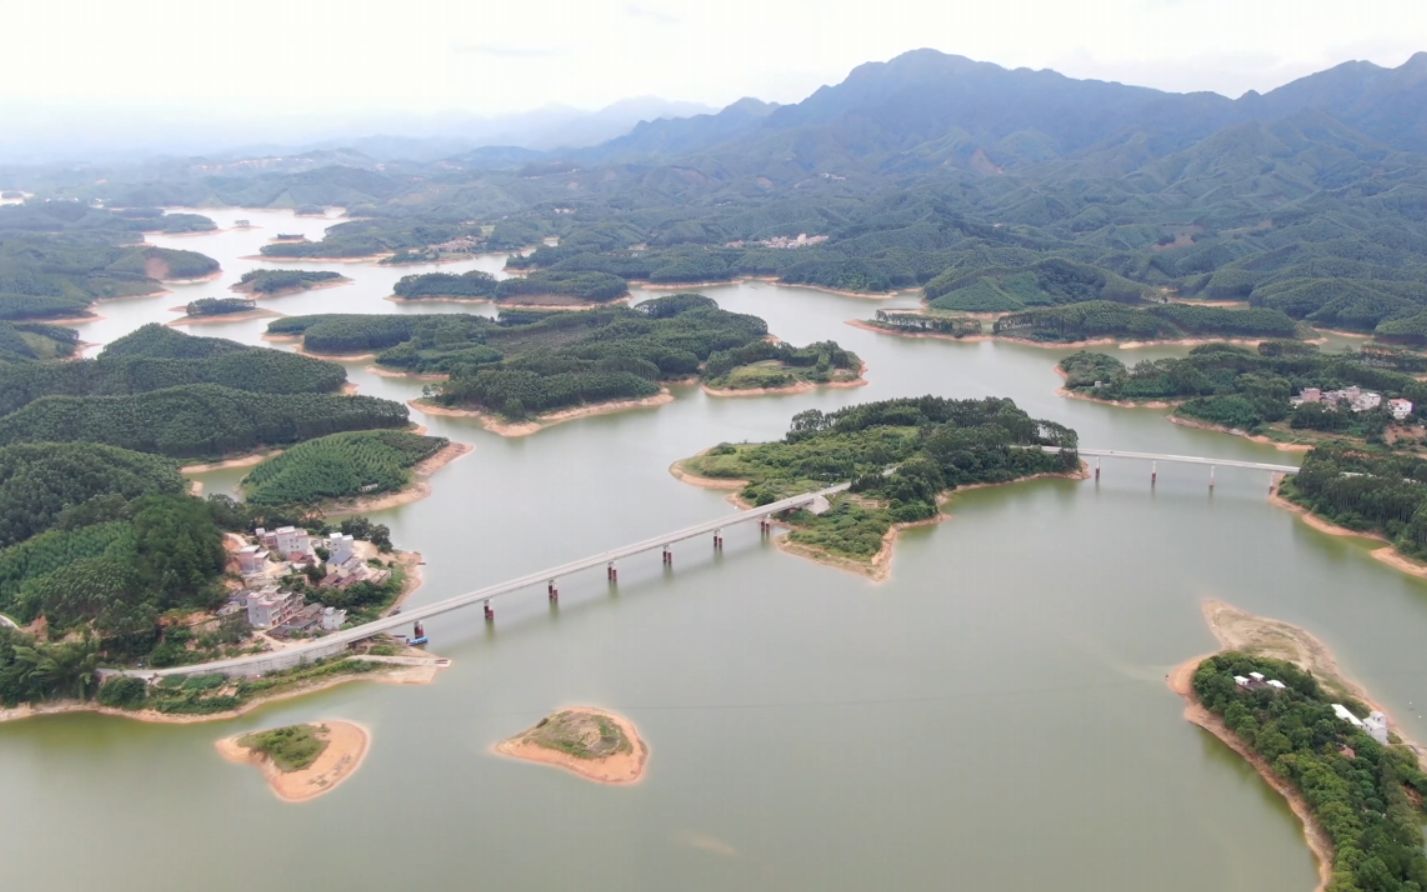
<point x="418" y="642"/>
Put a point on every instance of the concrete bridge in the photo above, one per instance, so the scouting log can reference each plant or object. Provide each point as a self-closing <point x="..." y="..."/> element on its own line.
<point x="330" y="645"/>
<point x="335" y="643"/>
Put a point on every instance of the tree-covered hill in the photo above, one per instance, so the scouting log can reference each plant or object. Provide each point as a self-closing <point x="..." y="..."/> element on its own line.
<point x="340" y="466"/>
<point x="154" y="357"/>
<point x="196" y="420"/>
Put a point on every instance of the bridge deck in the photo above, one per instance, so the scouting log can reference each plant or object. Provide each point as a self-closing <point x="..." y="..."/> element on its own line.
<point x="412" y="614"/>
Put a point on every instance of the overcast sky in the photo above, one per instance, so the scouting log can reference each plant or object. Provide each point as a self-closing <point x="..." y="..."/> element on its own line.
<point x="494" y="56"/>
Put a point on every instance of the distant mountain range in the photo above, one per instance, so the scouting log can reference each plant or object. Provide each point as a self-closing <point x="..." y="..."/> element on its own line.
<point x="925" y="109"/>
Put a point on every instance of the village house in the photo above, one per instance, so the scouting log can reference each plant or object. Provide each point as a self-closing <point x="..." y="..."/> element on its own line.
<point x="252" y="559"/>
<point x="1400" y="408"/>
<point x="270" y="607"/>
<point x="339" y="547"/>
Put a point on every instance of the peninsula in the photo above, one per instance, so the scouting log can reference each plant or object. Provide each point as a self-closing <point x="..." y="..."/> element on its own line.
<point x="1276" y="697"/>
<point x="595" y="744"/>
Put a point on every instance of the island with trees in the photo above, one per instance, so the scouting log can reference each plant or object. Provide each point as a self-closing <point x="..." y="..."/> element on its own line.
<point x="903" y="457"/>
<point x="301" y="762"/>
<point x="474" y="286"/>
<point x="277" y="282"/>
<point x="351" y="471"/>
<point x="767" y="366"/>
<point x="530" y="369"/>
<point x="595" y="744"/>
<point x="1276" y="697"/>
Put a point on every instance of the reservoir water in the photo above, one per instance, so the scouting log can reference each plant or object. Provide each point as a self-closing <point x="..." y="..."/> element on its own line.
<point x="994" y="716"/>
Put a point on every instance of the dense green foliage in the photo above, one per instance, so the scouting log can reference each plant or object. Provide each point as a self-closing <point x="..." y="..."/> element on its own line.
<point x="1246" y="389"/>
<point x="275" y="281"/>
<point x="1374" y="492"/>
<point x="1050" y="281"/>
<point x="591" y="286"/>
<point x="766" y="364"/>
<point x="935" y="445"/>
<point x="340" y="466"/>
<point x="218" y="306"/>
<point x="26" y="341"/>
<point x="154" y="357"/>
<point x="1098" y="319"/>
<point x="553" y="361"/>
<point x="473" y="284"/>
<point x="47" y="484"/>
<point x="197" y="420"/>
<point x="360" y="332"/>
<point x="291" y="748"/>
<point x="58" y="257"/>
<point x="1357" y="789"/>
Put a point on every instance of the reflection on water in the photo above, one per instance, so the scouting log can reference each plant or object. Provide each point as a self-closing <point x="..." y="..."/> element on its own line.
<point x="992" y="717"/>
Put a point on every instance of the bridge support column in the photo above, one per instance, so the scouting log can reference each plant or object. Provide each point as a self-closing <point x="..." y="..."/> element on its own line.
<point x="490" y="614"/>
<point x="668" y="557"/>
<point x="611" y="572"/>
<point x="765" y="526"/>
<point x="1097" y="470"/>
<point x="718" y="540"/>
<point x="1154" y="472"/>
<point x="1211" y="478"/>
<point x="552" y="592"/>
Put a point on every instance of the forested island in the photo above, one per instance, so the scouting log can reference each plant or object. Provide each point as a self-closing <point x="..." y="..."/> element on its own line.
<point x="58" y="258"/>
<point x="1276" y="696"/>
<point x="526" y="366"/>
<point x="1283" y="390"/>
<point x="276" y="282"/>
<point x="346" y="467"/>
<point x="474" y="285"/>
<point x="903" y="457"/>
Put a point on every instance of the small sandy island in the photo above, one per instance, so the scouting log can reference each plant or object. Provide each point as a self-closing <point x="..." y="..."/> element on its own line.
<point x="496" y="425"/>
<point x="799" y="386"/>
<point x="301" y="762"/>
<point x="1242" y="631"/>
<point x="593" y="743"/>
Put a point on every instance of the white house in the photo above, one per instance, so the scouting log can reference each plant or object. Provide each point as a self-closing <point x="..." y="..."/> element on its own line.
<point x="1346" y="715"/>
<point x="251" y="559"/>
<point x="332" y="619"/>
<point x="1376" y="726"/>
<point x="1400" y="408"/>
<point x="270" y="607"/>
<point x="339" y="548"/>
<point x="291" y="540"/>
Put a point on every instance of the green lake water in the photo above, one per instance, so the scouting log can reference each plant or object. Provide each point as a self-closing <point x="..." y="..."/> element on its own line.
<point x="994" y="716"/>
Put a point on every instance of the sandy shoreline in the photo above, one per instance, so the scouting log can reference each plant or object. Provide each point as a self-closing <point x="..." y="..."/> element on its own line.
<point x="1055" y="345"/>
<point x="879" y="566"/>
<point x="383" y="372"/>
<point x="619" y="769"/>
<point x="1180" y="681"/>
<point x="494" y="425"/>
<point x="275" y="258"/>
<point x="241" y="461"/>
<point x="1239" y="630"/>
<point x="795" y="387"/>
<point x="414" y="491"/>
<point x="424" y="673"/>
<point x="439" y="299"/>
<point x="1387" y="554"/>
<point x="645" y="285"/>
<point x="1254" y="438"/>
<point x="347" y="745"/>
<point x="255" y="313"/>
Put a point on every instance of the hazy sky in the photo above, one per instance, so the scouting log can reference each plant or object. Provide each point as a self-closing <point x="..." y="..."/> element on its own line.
<point x="493" y="56"/>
